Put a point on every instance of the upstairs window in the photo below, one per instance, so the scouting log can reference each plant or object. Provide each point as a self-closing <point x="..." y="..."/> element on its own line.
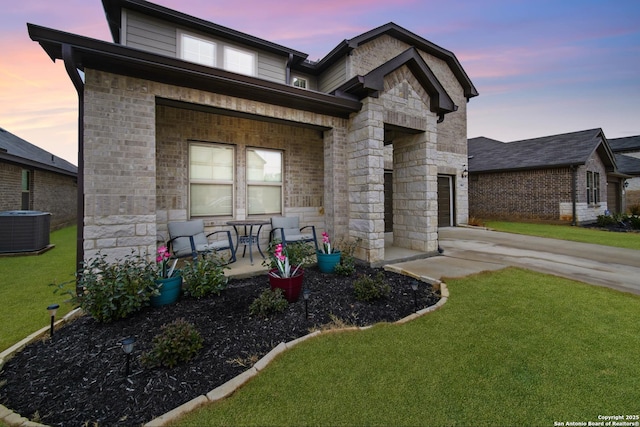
<point x="264" y="182"/>
<point x="211" y="172"/>
<point x="300" y="82"/>
<point x="239" y="61"/>
<point x="198" y="50"/>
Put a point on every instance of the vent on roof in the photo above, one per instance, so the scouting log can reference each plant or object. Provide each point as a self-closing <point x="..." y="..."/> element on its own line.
<point x="24" y="231"/>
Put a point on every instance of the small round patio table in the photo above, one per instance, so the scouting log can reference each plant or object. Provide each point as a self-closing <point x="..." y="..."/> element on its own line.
<point x="247" y="237"/>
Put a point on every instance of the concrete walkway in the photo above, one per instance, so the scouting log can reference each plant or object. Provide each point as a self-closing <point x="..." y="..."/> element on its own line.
<point x="472" y="250"/>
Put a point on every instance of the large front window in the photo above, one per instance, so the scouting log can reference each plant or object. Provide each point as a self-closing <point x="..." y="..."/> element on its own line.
<point x="264" y="182"/>
<point x="211" y="172"/>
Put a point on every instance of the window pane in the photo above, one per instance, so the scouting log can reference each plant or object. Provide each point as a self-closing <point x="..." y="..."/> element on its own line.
<point x="300" y="82"/>
<point x="208" y="199"/>
<point x="264" y="166"/>
<point x="238" y="61"/>
<point x="25" y="180"/>
<point x="198" y="50"/>
<point x="211" y="163"/>
<point x="264" y="200"/>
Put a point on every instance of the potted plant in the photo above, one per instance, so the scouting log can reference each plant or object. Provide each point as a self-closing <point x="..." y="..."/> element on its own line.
<point x="286" y="264"/>
<point x="328" y="257"/>
<point x="169" y="280"/>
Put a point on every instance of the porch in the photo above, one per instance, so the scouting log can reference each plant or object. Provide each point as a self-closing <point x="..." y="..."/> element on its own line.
<point x="393" y="254"/>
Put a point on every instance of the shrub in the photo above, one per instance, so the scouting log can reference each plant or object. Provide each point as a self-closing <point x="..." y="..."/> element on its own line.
<point x="368" y="289"/>
<point x="269" y="302"/>
<point x="635" y="209"/>
<point x="605" y="220"/>
<point x="178" y="341"/>
<point x="204" y="277"/>
<point x="347" y="265"/>
<point x="112" y="291"/>
<point x="634" y="221"/>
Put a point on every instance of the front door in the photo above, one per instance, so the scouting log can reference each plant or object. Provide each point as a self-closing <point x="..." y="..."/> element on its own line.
<point x="445" y="201"/>
<point x="388" y="201"/>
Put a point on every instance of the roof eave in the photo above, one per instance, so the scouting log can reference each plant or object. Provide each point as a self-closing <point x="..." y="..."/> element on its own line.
<point x="21" y="161"/>
<point x="117" y="59"/>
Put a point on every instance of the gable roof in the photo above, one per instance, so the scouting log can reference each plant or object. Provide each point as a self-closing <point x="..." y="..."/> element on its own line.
<point x="404" y="35"/>
<point x="621" y="145"/>
<point x="373" y="82"/>
<point x="569" y="149"/>
<point x="16" y="150"/>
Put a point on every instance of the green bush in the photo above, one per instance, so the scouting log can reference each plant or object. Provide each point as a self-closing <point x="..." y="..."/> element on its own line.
<point x="635" y="209"/>
<point x="204" y="277"/>
<point x="111" y="291"/>
<point x="269" y="302"/>
<point x="368" y="289"/>
<point x="347" y="265"/>
<point x="635" y="222"/>
<point x="178" y="341"/>
<point x="605" y="220"/>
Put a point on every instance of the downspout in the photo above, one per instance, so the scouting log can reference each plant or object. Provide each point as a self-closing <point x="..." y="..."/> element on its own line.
<point x="76" y="79"/>
<point x="287" y="77"/>
<point x="574" y="196"/>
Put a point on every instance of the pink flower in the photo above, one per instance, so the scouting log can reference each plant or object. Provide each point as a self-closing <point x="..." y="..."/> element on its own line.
<point x="325" y="237"/>
<point x="278" y="252"/>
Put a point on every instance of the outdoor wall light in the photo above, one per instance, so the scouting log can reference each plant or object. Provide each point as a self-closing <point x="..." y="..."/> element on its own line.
<point x="306" y="293"/>
<point x="127" y="347"/>
<point x="414" y="288"/>
<point x="465" y="171"/>
<point x="53" y="309"/>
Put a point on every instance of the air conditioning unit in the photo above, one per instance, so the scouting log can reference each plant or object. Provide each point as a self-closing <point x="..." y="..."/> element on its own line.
<point x="24" y="231"/>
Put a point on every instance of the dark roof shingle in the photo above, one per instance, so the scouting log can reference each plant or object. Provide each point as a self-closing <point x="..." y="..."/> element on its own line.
<point x="17" y="150"/>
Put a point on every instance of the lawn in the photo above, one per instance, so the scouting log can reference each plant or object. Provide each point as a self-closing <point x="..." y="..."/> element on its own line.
<point x="567" y="232"/>
<point x="509" y="348"/>
<point x="24" y="288"/>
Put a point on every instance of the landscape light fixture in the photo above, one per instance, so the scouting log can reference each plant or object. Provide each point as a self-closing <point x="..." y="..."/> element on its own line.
<point x="53" y="308"/>
<point x="127" y="347"/>
<point x="414" y="287"/>
<point x="306" y="293"/>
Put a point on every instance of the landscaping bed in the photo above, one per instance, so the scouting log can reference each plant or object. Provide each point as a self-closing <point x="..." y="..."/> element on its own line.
<point x="79" y="378"/>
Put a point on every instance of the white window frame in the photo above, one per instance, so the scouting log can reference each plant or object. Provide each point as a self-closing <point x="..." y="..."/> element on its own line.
<point x="200" y="39"/>
<point x="213" y="182"/>
<point x="297" y="79"/>
<point x="228" y="50"/>
<point x="593" y="188"/>
<point x="270" y="184"/>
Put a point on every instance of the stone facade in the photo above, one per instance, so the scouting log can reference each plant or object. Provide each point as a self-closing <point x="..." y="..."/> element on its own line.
<point x="136" y="157"/>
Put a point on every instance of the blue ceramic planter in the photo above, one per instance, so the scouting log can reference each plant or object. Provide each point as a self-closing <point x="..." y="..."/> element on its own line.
<point x="327" y="262"/>
<point x="169" y="291"/>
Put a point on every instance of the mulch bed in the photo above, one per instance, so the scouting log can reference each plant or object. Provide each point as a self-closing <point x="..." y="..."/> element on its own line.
<point x="78" y="377"/>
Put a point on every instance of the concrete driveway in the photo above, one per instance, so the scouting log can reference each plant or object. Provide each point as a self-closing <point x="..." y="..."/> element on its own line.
<point x="472" y="250"/>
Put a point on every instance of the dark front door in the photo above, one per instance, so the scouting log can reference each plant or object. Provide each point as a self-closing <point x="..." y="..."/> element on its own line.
<point x="445" y="201"/>
<point x="388" y="201"/>
<point x="613" y="199"/>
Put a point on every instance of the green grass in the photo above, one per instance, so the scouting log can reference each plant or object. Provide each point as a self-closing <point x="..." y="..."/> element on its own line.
<point x="24" y="289"/>
<point x="509" y="348"/>
<point x="567" y="232"/>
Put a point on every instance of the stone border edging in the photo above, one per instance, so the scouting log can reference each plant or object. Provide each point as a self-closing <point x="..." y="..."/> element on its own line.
<point x="225" y="390"/>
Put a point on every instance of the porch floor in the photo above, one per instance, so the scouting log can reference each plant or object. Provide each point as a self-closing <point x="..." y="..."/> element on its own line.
<point x="392" y="254"/>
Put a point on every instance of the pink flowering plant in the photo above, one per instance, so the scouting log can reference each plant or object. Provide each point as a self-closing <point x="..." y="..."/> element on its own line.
<point x="289" y="259"/>
<point x="162" y="261"/>
<point x="326" y="244"/>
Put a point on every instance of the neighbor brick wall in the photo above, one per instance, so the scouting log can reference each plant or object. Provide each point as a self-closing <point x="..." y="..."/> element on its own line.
<point x="56" y="194"/>
<point x="10" y="186"/>
<point x="533" y="194"/>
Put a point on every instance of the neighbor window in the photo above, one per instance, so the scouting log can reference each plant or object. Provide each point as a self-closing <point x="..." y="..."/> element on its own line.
<point x="198" y="50"/>
<point x="211" y="172"/>
<point x="26" y="189"/>
<point x="239" y="61"/>
<point x="593" y="187"/>
<point x="300" y="82"/>
<point x="264" y="182"/>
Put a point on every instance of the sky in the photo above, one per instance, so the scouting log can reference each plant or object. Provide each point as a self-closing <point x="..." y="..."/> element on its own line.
<point x="542" y="67"/>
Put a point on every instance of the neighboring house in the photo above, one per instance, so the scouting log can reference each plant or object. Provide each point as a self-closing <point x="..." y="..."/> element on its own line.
<point x="179" y="114"/>
<point x="569" y="177"/>
<point x="627" y="152"/>
<point x="34" y="179"/>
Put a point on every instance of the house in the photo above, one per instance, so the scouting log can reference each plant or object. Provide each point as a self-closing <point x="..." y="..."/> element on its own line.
<point x="177" y="111"/>
<point x="34" y="179"/>
<point x="568" y="177"/>
<point x="627" y="152"/>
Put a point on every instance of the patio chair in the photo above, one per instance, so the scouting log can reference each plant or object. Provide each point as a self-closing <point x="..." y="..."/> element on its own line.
<point x="289" y="231"/>
<point x="187" y="238"/>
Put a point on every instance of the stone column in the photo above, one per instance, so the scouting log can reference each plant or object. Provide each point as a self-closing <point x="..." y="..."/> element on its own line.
<point x="365" y="154"/>
<point x="335" y="183"/>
